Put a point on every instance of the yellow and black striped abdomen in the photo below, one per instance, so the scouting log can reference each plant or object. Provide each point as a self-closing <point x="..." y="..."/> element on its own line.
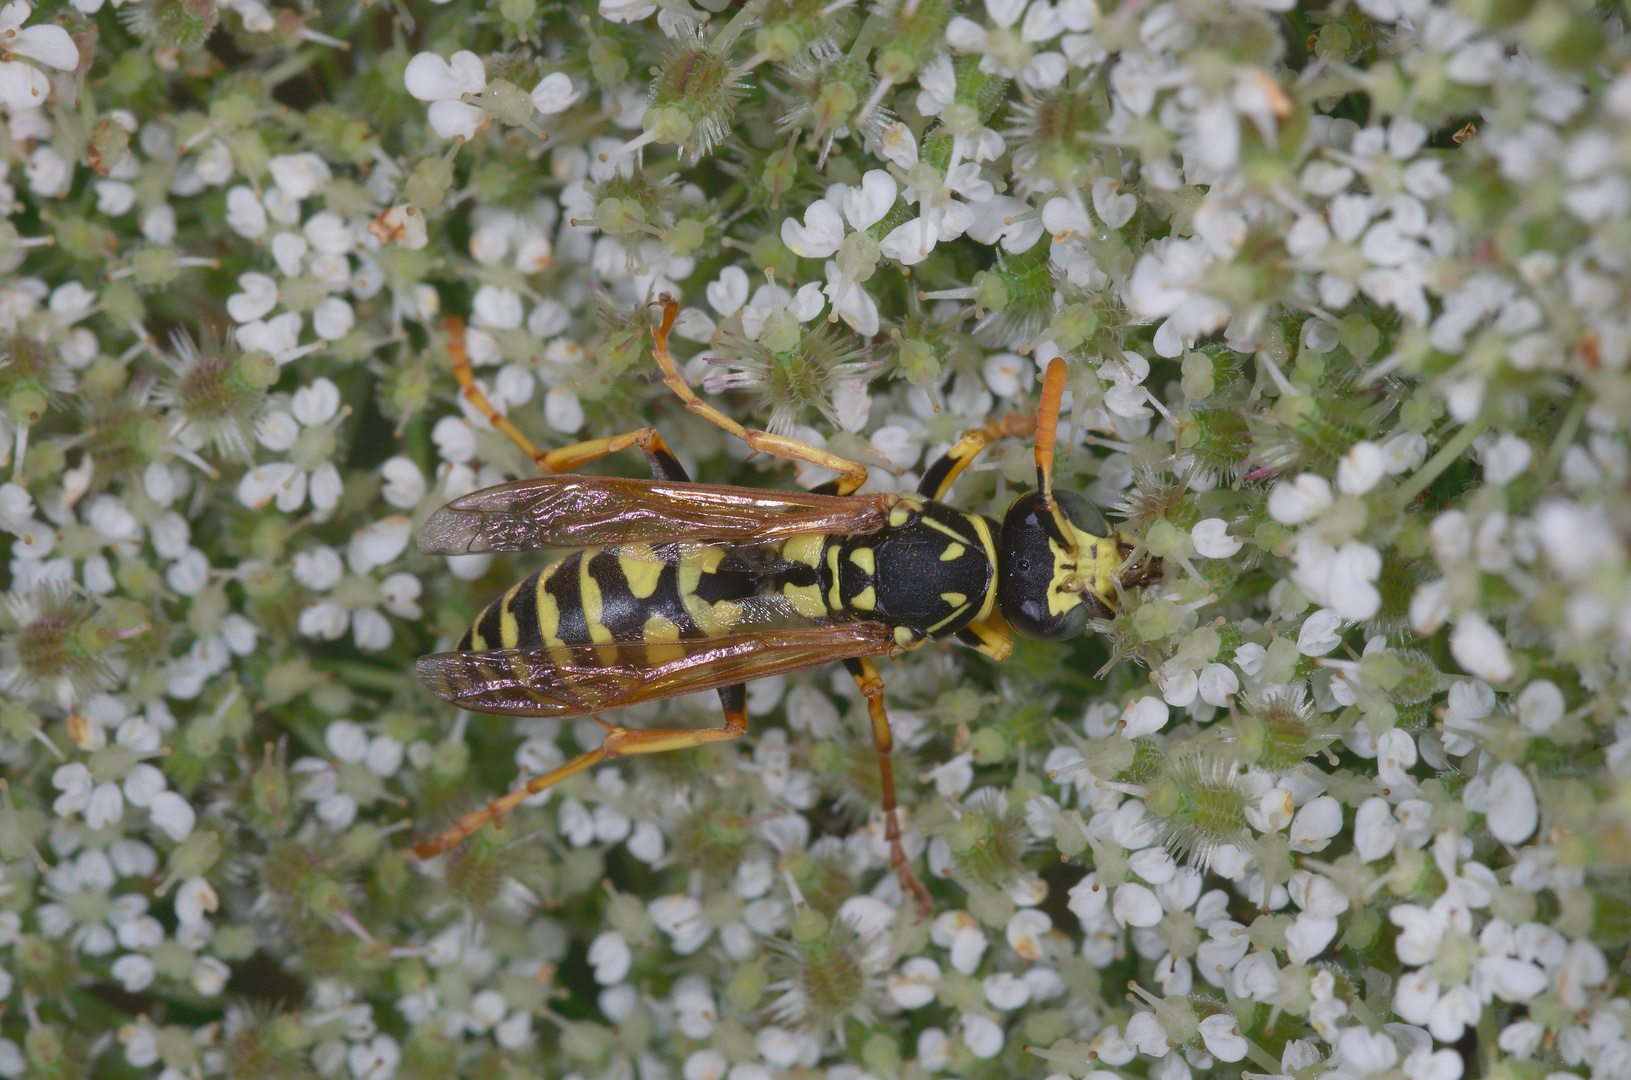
<point x="600" y="598"/>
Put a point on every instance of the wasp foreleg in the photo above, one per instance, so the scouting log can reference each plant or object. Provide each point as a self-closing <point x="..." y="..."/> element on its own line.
<point x="938" y="477"/>
<point x="867" y="678"/>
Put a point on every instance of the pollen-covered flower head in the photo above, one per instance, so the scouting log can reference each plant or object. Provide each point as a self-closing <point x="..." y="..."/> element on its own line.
<point x="832" y="970"/>
<point x="56" y="648"/>
<point x="790" y="366"/>
<point x="216" y="391"/>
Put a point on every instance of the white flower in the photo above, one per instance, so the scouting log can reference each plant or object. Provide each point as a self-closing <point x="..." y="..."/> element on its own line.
<point x="1479" y="649"/>
<point x="609" y="955"/>
<point x="913" y="986"/>
<point x="1320" y="633"/>
<point x="1510" y="808"/>
<point x="1136" y="905"/>
<point x="299" y="176"/>
<point x="1540" y="706"/>
<point x="1361" y="468"/>
<point x="445" y="84"/>
<point x="1506" y="458"/>
<point x="1296" y="501"/>
<point x="1212" y="539"/>
<point x="1315" y="824"/>
<point x="307" y="432"/>
<point x="553" y="94"/>
<point x="1145" y="716"/>
<point x="1166" y="283"/>
<point x="24" y="86"/>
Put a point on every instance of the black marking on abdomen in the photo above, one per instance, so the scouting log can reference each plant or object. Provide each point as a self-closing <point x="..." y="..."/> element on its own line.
<point x="524" y="609"/>
<point x="491" y="624"/>
<point x="562" y="584"/>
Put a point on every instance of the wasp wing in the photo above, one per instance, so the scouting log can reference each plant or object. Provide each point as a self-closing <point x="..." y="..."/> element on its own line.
<point x="597" y="511"/>
<point x="576" y="681"/>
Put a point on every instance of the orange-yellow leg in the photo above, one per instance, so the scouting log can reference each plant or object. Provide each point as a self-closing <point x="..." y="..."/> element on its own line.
<point x="664" y="465"/>
<point x="852" y="475"/>
<point x="866" y="677"/>
<point x="945" y="469"/>
<point x="991" y="636"/>
<point x="619" y="742"/>
<point x="1047" y="428"/>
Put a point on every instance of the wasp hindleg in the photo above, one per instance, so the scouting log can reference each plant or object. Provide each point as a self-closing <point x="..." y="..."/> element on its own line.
<point x="619" y="742"/>
<point x="867" y="678"/>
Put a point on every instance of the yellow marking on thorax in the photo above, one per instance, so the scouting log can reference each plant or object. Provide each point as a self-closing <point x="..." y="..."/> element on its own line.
<point x="989" y="543"/>
<point x="593" y="607"/>
<point x="942" y="527"/>
<point x="509" y="631"/>
<point x="962" y="609"/>
<point x="953" y="552"/>
<point x="865" y="600"/>
<point x="549" y="615"/>
<point x="805" y="549"/>
<point x="641" y="573"/>
<point x="905" y="638"/>
<point x="955" y="599"/>
<point x="835" y="599"/>
<point x="864" y="558"/>
<point x="904" y="508"/>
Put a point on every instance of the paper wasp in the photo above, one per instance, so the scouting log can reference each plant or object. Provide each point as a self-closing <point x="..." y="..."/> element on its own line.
<point x="682" y="587"/>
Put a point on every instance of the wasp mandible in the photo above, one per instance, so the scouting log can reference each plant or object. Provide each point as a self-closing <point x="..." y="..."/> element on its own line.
<point x="685" y="587"/>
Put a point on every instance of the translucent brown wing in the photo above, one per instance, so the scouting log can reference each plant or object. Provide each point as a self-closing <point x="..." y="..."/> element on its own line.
<point x="596" y="511"/>
<point x="576" y="681"/>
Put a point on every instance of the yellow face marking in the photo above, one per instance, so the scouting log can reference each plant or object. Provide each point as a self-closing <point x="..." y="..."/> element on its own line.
<point x="1104" y="557"/>
<point x="641" y="574"/>
<point x="863" y="558"/>
<point x="955" y="599"/>
<point x="804" y="549"/>
<point x="835" y="599"/>
<point x="549" y="615"/>
<point x="865" y="600"/>
<point x="509" y="632"/>
<point x="953" y="552"/>
<point x="589" y="591"/>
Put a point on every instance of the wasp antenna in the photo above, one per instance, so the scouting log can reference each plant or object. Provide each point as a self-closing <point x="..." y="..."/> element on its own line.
<point x="1047" y="428"/>
<point x="1047" y="424"/>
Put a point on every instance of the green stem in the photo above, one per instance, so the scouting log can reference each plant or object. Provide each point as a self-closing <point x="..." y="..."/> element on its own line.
<point x="1564" y="438"/>
<point x="1447" y="455"/>
<point x="1261" y="1057"/>
<point x="739" y="23"/>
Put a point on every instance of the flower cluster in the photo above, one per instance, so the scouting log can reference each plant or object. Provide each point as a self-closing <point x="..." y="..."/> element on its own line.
<point x="1335" y="788"/>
